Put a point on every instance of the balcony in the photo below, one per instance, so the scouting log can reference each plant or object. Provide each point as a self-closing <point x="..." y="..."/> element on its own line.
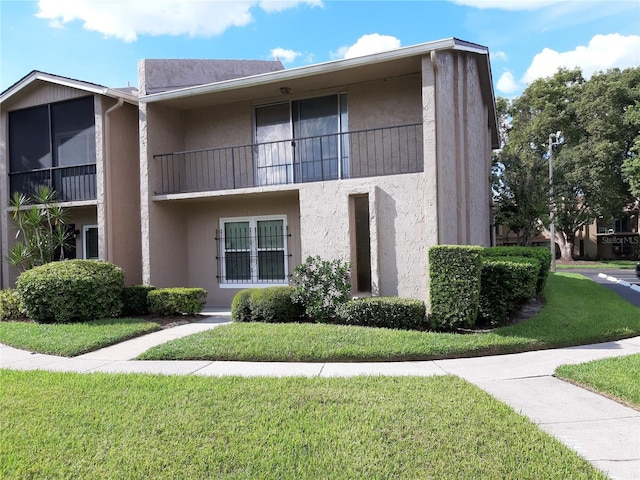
<point x="357" y="154"/>
<point x="72" y="184"/>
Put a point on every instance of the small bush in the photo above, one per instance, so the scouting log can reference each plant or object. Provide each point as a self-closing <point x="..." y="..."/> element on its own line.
<point x="10" y="306"/>
<point x="454" y="286"/>
<point x="321" y="286"/>
<point x="72" y="291"/>
<point x="274" y="305"/>
<point x="240" y="308"/>
<point x="384" y="312"/>
<point x="507" y="284"/>
<point x="543" y="255"/>
<point x="176" y="301"/>
<point x="134" y="299"/>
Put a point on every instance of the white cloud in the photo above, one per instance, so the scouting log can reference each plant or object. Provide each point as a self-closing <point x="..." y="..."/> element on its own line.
<point x="284" y="55"/>
<point x="127" y="20"/>
<point x="507" y="83"/>
<point x="366" y="45"/>
<point x="508" y="4"/>
<point x="602" y="53"/>
<point x="499" y="56"/>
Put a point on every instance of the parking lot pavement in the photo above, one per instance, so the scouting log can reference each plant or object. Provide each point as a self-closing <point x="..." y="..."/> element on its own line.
<point x="610" y="279"/>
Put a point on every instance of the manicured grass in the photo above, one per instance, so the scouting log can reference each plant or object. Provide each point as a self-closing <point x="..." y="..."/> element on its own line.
<point x="617" y="377"/>
<point x="70" y="339"/>
<point x="604" y="264"/>
<point x="101" y="426"/>
<point x="577" y="311"/>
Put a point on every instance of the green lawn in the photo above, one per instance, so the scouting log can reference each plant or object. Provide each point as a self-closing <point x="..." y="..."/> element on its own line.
<point x="577" y="311"/>
<point x="604" y="264"/>
<point x="617" y="377"/>
<point x="105" y="426"/>
<point x="71" y="339"/>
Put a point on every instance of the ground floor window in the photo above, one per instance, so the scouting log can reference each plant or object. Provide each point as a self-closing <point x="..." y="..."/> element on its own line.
<point x="90" y="242"/>
<point x="253" y="251"/>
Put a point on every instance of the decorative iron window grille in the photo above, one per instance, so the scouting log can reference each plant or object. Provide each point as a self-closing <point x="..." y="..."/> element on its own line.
<point x="253" y="251"/>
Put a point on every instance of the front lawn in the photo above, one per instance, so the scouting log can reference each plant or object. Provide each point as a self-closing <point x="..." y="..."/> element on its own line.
<point x="71" y="339"/>
<point x="603" y="264"/>
<point x="577" y="311"/>
<point x="105" y="426"/>
<point x="618" y="377"/>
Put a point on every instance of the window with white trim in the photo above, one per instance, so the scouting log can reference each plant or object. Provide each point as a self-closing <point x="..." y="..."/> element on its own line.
<point x="90" y="242"/>
<point x="253" y="251"/>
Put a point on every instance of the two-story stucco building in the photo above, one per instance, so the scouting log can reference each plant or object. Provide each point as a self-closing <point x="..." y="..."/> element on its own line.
<point x="81" y="139"/>
<point x="371" y="160"/>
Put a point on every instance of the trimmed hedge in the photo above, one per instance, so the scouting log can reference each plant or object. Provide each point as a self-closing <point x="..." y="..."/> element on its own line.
<point x="506" y="284"/>
<point x="134" y="299"/>
<point x="240" y="308"/>
<point x="454" y="286"/>
<point x="271" y="305"/>
<point x="543" y="255"/>
<point x="176" y="301"/>
<point x="72" y="291"/>
<point x="384" y="312"/>
<point x="10" y="306"/>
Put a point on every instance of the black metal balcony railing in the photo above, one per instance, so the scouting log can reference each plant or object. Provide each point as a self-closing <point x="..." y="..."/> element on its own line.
<point x="72" y="184"/>
<point x="365" y="153"/>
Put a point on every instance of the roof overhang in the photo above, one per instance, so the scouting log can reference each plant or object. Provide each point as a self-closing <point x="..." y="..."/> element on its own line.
<point x="36" y="76"/>
<point x="331" y="74"/>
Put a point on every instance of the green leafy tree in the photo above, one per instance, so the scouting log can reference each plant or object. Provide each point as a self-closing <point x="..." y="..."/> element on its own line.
<point x="42" y="235"/>
<point x="599" y="135"/>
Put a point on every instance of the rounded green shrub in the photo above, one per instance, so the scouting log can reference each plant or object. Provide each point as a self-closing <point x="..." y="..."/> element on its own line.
<point x="384" y="312"/>
<point x="176" y="301"/>
<point x="240" y="308"/>
<point x="543" y="255"/>
<point x="274" y="305"/>
<point x="71" y="291"/>
<point x="134" y="299"/>
<point x="10" y="306"/>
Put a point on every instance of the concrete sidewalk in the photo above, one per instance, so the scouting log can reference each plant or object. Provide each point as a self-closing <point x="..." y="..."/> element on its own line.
<point x="603" y="431"/>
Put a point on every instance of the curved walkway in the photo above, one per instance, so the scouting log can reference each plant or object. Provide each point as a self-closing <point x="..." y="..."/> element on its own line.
<point x="601" y="430"/>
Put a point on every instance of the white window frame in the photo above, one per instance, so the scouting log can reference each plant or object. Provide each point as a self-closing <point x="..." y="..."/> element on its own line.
<point x="86" y="228"/>
<point x="253" y="246"/>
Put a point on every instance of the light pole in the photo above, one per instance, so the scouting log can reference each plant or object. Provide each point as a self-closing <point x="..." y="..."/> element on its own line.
<point x="554" y="139"/>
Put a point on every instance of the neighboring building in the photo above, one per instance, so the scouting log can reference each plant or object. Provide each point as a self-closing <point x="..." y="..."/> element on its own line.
<point x="247" y="168"/>
<point x="82" y="140"/>
<point x="604" y="239"/>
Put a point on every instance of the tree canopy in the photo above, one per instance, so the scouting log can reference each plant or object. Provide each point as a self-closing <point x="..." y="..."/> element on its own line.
<point x="596" y="164"/>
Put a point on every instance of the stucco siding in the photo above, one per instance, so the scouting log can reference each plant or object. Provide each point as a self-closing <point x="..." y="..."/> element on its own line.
<point x="398" y="238"/>
<point x="123" y="192"/>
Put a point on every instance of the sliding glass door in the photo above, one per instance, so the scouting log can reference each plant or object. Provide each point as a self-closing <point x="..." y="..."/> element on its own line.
<point x="300" y="140"/>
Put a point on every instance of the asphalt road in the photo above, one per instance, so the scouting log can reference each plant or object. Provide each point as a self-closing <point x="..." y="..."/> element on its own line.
<point x="627" y="293"/>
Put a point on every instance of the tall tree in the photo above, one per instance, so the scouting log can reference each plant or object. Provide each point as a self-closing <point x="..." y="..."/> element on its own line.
<point x="598" y="137"/>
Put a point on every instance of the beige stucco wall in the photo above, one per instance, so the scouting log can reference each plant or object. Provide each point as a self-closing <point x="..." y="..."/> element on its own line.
<point x="463" y="151"/>
<point x="191" y="242"/>
<point x="398" y="228"/>
<point x="122" y="191"/>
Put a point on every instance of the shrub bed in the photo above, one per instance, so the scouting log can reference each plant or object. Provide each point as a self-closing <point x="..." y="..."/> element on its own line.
<point x="506" y="284"/>
<point x="270" y="305"/>
<point x="384" y="312"/>
<point x="72" y="291"/>
<point x="454" y="286"/>
<point x="176" y="301"/>
<point x="543" y="255"/>
<point x="134" y="299"/>
<point x="10" y="306"/>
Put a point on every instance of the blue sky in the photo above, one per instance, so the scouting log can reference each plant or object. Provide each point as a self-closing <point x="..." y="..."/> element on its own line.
<point x="101" y="40"/>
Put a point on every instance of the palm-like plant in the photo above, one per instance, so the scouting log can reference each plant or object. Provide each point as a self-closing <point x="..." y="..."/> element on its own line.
<point x="41" y="229"/>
